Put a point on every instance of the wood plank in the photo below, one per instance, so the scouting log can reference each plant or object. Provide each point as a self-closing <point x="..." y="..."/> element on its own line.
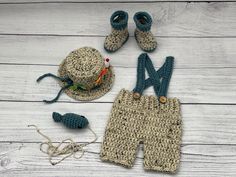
<point x="189" y="52"/>
<point x="202" y="124"/>
<point x="18" y="82"/>
<point x="169" y="19"/>
<point x="205" y="161"/>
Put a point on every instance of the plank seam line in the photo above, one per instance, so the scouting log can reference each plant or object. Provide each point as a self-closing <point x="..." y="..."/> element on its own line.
<point x="117" y="66"/>
<point x="115" y="2"/>
<point x="203" y="155"/>
<point x="103" y="36"/>
<point x="182" y="145"/>
<point x="194" y="154"/>
<point x="107" y="102"/>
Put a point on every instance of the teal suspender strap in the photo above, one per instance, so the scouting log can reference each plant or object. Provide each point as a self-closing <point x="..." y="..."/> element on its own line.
<point x="140" y="84"/>
<point x="166" y="76"/>
<point x="158" y="79"/>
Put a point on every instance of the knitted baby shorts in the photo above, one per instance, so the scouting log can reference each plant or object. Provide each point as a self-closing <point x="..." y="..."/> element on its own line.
<point x="146" y="120"/>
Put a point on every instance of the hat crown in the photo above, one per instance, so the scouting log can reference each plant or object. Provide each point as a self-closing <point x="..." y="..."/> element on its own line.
<point x="84" y="66"/>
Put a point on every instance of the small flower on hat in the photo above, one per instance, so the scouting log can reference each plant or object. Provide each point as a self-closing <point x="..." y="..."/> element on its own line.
<point x="107" y="64"/>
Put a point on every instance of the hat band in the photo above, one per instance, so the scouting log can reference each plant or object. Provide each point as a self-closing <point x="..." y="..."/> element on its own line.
<point x="101" y="78"/>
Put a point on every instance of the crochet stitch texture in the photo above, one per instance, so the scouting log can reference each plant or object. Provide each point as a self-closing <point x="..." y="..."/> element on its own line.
<point x="84" y="66"/>
<point x="119" y="32"/>
<point x="154" y="120"/>
<point x="157" y="125"/>
<point x="143" y="35"/>
<point x="71" y="120"/>
<point x="83" y="75"/>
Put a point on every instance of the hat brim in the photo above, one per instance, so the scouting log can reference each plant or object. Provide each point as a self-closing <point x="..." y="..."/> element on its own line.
<point x="84" y="95"/>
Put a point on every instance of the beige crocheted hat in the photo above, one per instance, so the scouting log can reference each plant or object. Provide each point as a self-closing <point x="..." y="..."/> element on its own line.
<point x="91" y="74"/>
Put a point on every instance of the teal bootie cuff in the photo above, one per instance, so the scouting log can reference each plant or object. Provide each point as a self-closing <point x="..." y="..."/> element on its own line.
<point x="143" y="21"/>
<point x="119" y="20"/>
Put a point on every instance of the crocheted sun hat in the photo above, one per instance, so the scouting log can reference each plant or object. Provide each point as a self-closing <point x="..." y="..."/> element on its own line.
<point x="89" y="72"/>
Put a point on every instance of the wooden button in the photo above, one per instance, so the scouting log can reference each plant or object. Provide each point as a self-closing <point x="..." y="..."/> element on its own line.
<point x="163" y="99"/>
<point x="136" y="95"/>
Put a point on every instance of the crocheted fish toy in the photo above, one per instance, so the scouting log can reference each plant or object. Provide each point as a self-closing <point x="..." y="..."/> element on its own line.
<point x="71" y="120"/>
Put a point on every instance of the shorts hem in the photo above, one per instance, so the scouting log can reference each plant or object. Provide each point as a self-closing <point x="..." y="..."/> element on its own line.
<point x="119" y="162"/>
<point x="156" y="168"/>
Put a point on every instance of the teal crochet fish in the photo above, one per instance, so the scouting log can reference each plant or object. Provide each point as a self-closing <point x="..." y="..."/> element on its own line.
<point x="71" y="120"/>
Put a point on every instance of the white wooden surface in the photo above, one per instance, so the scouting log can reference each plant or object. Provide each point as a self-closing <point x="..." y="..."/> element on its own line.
<point x="172" y="19"/>
<point x="35" y="35"/>
<point x="91" y="1"/>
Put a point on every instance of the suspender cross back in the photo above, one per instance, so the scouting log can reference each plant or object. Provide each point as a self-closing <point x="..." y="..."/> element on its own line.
<point x="158" y="79"/>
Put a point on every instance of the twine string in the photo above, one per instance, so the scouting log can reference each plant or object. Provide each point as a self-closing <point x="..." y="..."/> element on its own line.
<point x="66" y="151"/>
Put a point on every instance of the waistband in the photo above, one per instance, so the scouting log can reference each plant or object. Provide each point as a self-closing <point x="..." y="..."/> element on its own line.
<point x="126" y="99"/>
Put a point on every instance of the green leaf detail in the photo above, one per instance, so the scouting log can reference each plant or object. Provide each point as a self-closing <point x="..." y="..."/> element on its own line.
<point x="77" y="86"/>
<point x="73" y="87"/>
<point x="104" y="77"/>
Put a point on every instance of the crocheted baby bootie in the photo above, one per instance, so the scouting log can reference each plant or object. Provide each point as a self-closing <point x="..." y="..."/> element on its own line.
<point x="143" y="35"/>
<point x="119" y="33"/>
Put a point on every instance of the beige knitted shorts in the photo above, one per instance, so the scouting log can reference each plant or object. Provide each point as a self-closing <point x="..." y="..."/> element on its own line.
<point x="145" y="120"/>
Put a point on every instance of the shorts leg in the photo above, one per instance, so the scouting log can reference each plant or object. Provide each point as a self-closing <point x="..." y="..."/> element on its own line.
<point x="120" y="140"/>
<point x="162" y="143"/>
